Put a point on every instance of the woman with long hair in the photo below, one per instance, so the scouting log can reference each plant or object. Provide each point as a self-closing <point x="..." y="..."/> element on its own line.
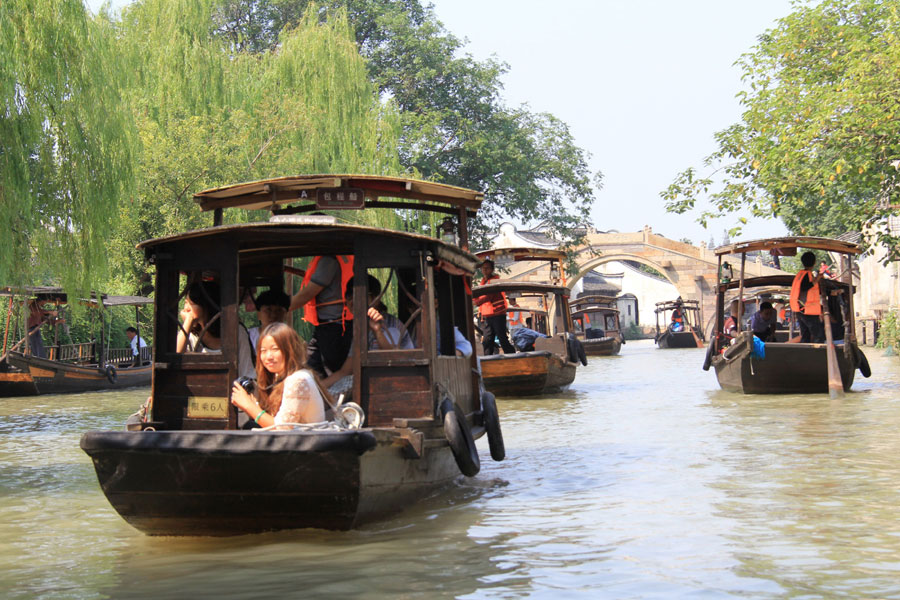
<point x="286" y="391"/>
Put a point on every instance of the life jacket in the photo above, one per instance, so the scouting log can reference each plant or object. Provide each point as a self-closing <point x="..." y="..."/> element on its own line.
<point x="515" y="318"/>
<point x="810" y="304"/>
<point x="677" y="317"/>
<point x="310" y="309"/>
<point x="495" y="303"/>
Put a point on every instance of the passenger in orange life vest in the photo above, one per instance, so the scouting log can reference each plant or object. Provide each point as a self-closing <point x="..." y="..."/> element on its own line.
<point x="493" y="310"/>
<point x="805" y="301"/>
<point x="514" y="316"/>
<point x="677" y="323"/>
<point x="322" y="298"/>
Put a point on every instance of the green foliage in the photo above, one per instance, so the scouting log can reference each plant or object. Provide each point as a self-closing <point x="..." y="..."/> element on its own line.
<point x="455" y="128"/>
<point x="889" y="332"/>
<point x="816" y="145"/>
<point x="306" y="108"/>
<point x="66" y="145"/>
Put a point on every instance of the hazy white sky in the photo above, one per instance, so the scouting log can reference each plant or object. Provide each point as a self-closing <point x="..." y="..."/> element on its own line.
<point x="643" y="85"/>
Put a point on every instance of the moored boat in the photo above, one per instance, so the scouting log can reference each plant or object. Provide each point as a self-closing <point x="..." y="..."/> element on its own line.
<point x="680" y="327"/>
<point x="744" y="363"/>
<point x="27" y="368"/>
<point x="186" y="468"/>
<point x="551" y="365"/>
<point x="597" y="324"/>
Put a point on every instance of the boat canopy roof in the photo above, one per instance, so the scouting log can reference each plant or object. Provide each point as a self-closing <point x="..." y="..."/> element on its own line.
<point x="592" y="300"/>
<point x="592" y="309"/>
<point x="774" y="284"/>
<point x="788" y="246"/>
<point x="521" y="286"/>
<point x="548" y="254"/>
<point x="48" y="294"/>
<point x="317" y="192"/>
<point x="671" y="304"/>
<point x="313" y="235"/>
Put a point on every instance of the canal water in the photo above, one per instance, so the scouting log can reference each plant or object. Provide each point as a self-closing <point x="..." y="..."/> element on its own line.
<point x="644" y="480"/>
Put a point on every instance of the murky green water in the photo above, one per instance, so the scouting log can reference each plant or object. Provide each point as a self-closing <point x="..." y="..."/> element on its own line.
<point x="643" y="481"/>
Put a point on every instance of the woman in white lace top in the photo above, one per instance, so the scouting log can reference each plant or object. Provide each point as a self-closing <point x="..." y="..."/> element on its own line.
<point x="286" y="392"/>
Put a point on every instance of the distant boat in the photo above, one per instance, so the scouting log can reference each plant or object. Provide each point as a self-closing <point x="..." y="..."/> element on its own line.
<point x="84" y="366"/>
<point x="552" y="364"/>
<point x="683" y="333"/>
<point x="597" y="325"/>
<point x="743" y="364"/>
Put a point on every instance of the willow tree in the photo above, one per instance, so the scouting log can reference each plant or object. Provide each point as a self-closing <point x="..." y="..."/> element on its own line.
<point x="211" y="115"/>
<point x="66" y="144"/>
<point x="817" y="144"/>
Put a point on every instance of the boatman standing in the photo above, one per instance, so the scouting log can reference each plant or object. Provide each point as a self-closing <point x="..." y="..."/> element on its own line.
<point x="493" y="310"/>
<point x="137" y="342"/>
<point x="322" y="297"/>
<point x="805" y="301"/>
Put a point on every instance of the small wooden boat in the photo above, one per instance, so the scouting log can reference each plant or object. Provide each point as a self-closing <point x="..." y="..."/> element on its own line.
<point x="185" y="467"/>
<point x="685" y="333"/>
<point x="597" y="325"/>
<point x="551" y="366"/>
<point x="75" y="366"/>
<point x="744" y="364"/>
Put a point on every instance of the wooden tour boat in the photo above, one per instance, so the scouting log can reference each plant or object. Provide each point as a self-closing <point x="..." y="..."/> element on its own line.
<point x="597" y="325"/>
<point x="686" y="335"/>
<point x="551" y="366"/>
<point x="73" y="367"/>
<point x="787" y="367"/>
<point x="186" y="468"/>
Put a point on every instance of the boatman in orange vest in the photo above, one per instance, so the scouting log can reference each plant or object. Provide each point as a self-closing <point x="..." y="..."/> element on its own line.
<point x="493" y="310"/>
<point x="805" y="301"/>
<point x="322" y="297"/>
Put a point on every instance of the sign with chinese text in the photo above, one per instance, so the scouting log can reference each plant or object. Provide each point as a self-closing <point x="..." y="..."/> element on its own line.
<point x="206" y="407"/>
<point x="340" y="198"/>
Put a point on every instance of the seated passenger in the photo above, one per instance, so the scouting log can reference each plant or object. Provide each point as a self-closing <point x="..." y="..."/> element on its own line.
<point x="386" y="332"/>
<point x="203" y="332"/>
<point x="677" y="321"/>
<point x="286" y="392"/>
<point x="763" y="323"/>
<point x="271" y="307"/>
<point x="524" y="338"/>
<point x="731" y="323"/>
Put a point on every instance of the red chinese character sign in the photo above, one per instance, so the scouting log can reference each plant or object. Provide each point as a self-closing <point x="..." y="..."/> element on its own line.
<point x="340" y="198"/>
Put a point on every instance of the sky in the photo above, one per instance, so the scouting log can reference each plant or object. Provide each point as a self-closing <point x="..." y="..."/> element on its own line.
<point x="642" y="84"/>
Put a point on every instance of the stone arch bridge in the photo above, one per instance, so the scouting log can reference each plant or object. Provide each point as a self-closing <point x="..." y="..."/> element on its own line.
<point x="691" y="269"/>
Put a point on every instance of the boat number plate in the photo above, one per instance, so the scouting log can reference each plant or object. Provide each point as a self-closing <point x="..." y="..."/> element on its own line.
<point x="340" y="198"/>
<point x="206" y="407"/>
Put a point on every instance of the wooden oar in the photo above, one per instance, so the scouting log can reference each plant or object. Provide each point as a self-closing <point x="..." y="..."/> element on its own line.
<point x="835" y="384"/>
<point x="696" y="338"/>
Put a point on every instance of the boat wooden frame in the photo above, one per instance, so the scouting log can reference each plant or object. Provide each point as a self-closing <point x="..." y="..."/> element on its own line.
<point x="187" y="468"/>
<point x="551" y="366"/>
<point x="690" y="337"/>
<point x="75" y="367"/>
<point x="789" y="367"/>
<point x="596" y="304"/>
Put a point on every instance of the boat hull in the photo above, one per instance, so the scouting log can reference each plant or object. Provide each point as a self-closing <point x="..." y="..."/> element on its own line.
<point x="526" y="373"/>
<point x="236" y="482"/>
<point x="28" y="375"/>
<point x="786" y="369"/>
<point x="606" y="346"/>
<point x="677" y="339"/>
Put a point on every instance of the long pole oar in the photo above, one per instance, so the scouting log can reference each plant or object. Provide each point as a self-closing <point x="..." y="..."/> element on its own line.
<point x="835" y="384"/>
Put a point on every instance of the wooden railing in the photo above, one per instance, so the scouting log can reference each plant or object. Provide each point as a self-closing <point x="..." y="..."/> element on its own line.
<point x="86" y="354"/>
